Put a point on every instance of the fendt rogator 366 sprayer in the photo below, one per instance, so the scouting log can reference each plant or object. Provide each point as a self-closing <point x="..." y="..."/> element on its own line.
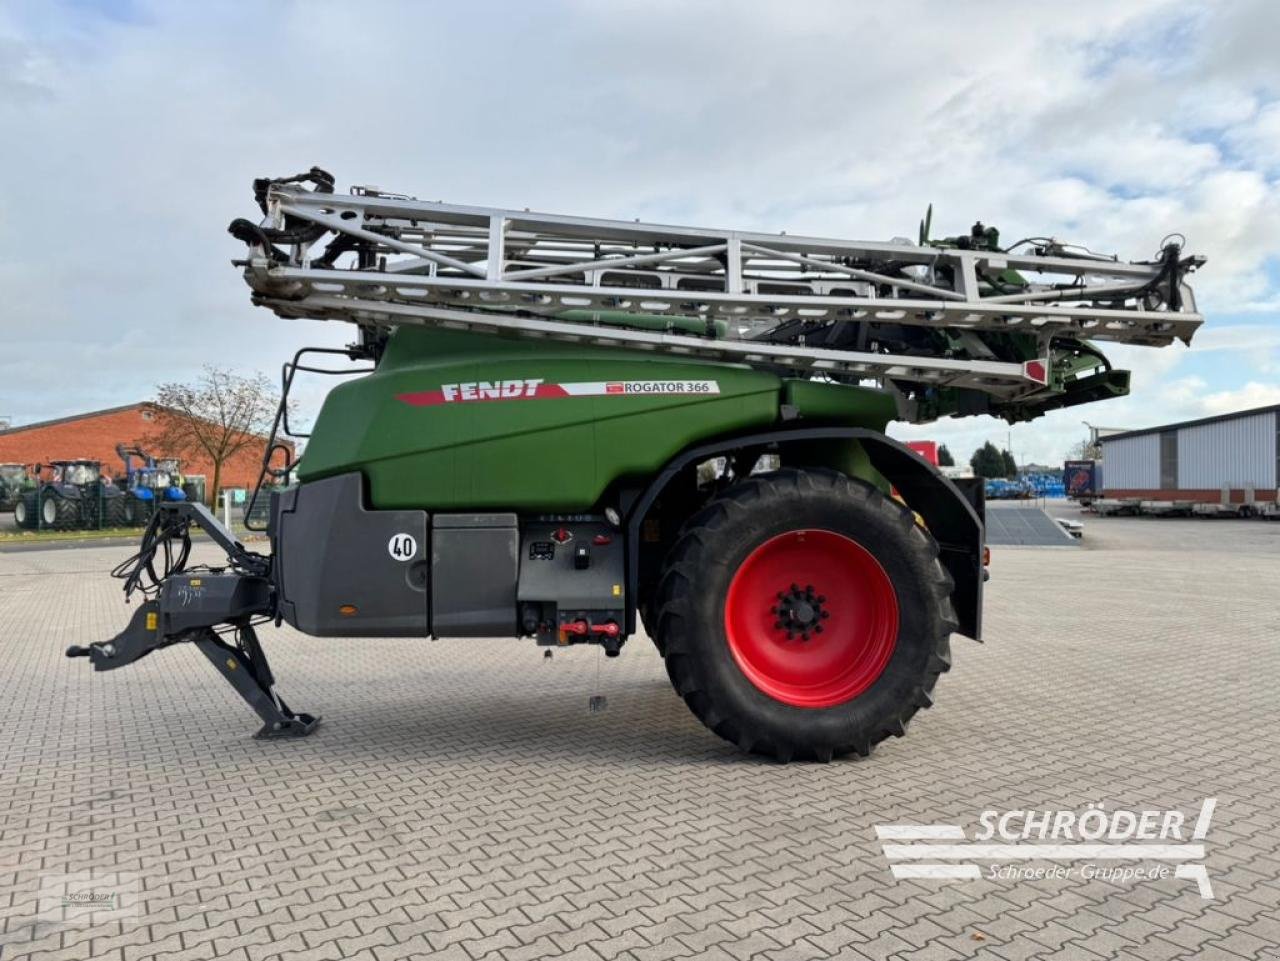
<point x="571" y="428"/>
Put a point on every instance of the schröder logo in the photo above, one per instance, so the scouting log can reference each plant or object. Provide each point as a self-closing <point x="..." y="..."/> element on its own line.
<point x="1088" y="844"/>
<point x="89" y="898"/>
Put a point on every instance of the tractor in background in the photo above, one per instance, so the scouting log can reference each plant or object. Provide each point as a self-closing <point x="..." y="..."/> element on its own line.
<point x="15" y="480"/>
<point x="75" y="497"/>
<point x="147" y="483"/>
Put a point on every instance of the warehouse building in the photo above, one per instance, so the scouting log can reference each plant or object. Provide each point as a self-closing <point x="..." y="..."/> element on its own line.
<point x="1231" y="458"/>
<point x="94" y="436"/>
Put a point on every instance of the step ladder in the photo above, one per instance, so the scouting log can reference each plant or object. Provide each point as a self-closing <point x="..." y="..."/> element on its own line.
<point x="958" y="314"/>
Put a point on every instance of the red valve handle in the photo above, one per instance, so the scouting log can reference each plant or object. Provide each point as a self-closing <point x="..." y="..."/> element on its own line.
<point x="581" y="627"/>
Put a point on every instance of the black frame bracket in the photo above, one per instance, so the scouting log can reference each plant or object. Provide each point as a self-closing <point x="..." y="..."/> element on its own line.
<point x="246" y="669"/>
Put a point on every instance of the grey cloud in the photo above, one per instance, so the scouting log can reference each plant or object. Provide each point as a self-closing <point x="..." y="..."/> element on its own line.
<point x="822" y="117"/>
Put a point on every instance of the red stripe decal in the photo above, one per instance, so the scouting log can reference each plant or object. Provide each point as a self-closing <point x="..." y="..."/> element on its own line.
<point x="530" y="389"/>
<point x="422" y="398"/>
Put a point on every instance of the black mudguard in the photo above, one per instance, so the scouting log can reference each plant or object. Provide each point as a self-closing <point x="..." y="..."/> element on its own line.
<point x="954" y="517"/>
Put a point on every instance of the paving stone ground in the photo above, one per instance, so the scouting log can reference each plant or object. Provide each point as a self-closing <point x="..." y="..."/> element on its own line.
<point x="460" y="801"/>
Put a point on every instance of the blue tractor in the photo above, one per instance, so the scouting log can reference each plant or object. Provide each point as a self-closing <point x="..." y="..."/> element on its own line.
<point x="146" y="483"/>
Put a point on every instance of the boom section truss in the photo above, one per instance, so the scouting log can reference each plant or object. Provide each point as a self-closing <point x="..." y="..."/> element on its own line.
<point x="730" y="295"/>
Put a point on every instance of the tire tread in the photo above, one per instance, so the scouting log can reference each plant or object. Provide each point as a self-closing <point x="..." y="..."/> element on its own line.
<point x="675" y="614"/>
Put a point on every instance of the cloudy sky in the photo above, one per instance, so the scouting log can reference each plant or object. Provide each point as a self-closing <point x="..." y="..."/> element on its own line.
<point x="132" y="130"/>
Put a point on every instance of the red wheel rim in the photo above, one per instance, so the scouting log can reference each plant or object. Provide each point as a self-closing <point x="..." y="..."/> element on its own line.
<point x="811" y="618"/>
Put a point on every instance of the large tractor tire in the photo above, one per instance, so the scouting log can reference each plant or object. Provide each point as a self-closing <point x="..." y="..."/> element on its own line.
<point x="115" y="511"/>
<point x="136" y="511"/>
<point x="58" y="513"/>
<point x="803" y="614"/>
<point x="24" y="512"/>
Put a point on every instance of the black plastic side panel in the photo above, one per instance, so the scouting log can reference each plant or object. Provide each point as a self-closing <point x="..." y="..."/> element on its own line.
<point x="342" y="570"/>
<point x="474" y="569"/>
<point x="954" y="518"/>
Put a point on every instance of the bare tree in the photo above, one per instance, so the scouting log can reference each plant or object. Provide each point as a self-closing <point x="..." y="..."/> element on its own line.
<point x="1084" y="450"/>
<point x="218" y="416"/>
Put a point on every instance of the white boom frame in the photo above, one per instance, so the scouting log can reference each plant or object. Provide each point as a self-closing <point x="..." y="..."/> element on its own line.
<point x="504" y="270"/>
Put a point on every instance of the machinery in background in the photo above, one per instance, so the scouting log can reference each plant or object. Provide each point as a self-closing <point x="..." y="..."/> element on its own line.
<point x="15" y="480"/>
<point x="74" y="496"/>
<point x="147" y="482"/>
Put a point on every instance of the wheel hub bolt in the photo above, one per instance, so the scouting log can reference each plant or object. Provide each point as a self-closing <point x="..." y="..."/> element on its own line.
<point x="799" y="612"/>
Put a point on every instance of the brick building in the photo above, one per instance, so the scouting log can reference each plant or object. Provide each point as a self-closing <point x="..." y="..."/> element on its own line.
<point x="94" y="436"/>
